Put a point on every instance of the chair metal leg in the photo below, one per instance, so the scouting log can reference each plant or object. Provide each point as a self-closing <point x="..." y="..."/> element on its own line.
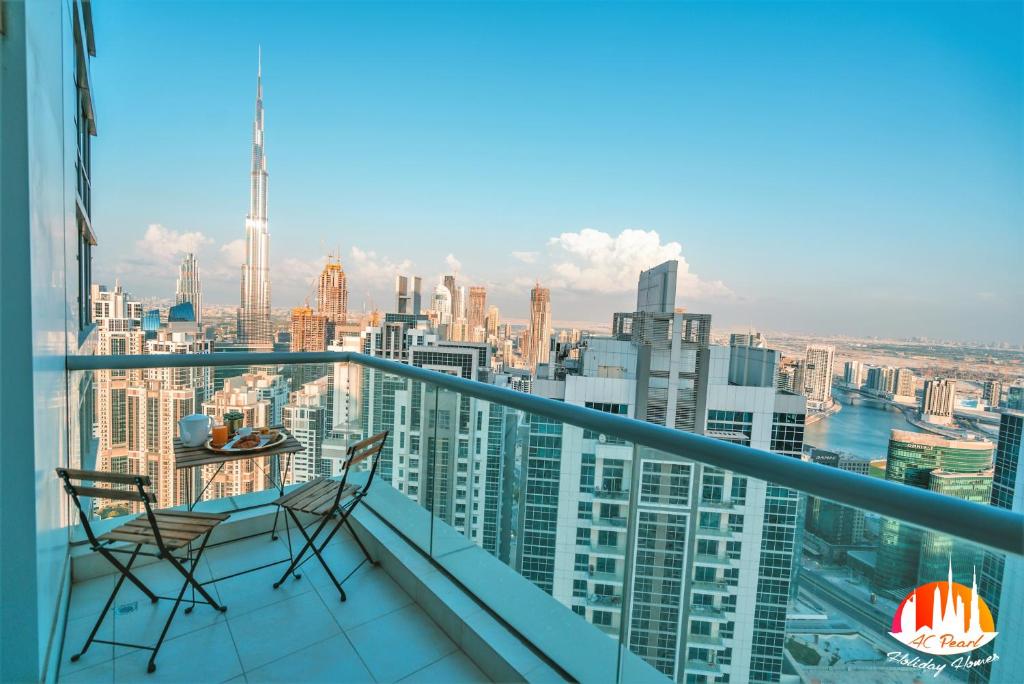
<point x="190" y="579"/>
<point x="309" y="542"/>
<point x="273" y="530"/>
<point x="330" y="574"/>
<point x="316" y="552"/>
<point x="125" y="572"/>
<point x="190" y="574"/>
<point x="358" y="541"/>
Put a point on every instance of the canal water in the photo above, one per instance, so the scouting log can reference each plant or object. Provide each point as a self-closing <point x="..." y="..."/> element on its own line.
<point x="860" y="428"/>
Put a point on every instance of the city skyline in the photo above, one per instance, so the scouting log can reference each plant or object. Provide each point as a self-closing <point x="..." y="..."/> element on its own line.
<point x="584" y="236"/>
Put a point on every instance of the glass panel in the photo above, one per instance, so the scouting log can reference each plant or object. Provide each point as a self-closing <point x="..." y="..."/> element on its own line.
<point x="695" y="572"/>
<point x="659" y="566"/>
<point x="131" y="420"/>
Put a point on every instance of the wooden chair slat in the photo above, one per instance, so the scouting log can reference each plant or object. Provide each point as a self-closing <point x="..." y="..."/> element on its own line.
<point x="191" y="528"/>
<point x="325" y="506"/>
<point x="362" y="456"/>
<point x="366" y="442"/>
<point x="192" y="515"/>
<point x="104" y="476"/>
<point x="321" y="503"/>
<point x="309" y="492"/>
<point x="167" y="535"/>
<point x="114" y="494"/>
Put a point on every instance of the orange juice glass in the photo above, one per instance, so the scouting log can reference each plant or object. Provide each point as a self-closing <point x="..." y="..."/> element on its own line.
<point x="220" y="435"/>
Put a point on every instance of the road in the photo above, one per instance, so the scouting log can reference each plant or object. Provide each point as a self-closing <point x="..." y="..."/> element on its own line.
<point x="865" y="613"/>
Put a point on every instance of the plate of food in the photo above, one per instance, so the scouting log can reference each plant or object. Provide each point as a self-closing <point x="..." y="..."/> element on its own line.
<point x="258" y="440"/>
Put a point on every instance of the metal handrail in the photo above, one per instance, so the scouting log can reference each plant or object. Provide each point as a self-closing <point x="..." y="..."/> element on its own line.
<point x="989" y="526"/>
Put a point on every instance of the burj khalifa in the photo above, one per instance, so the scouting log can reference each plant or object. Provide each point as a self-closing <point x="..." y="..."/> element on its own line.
<point x="254" y="328"/>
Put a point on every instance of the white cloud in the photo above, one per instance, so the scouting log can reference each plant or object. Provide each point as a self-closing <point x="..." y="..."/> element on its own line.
<point x="163" y="244"/>
<point x="233" y="253"/>
<point x="526" y="257"/>
<point x="454" y="265"/>
<point x="594" y="261"/>
<point x="372" y="269"/>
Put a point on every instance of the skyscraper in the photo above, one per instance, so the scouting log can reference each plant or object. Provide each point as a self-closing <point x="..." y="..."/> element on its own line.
<point x="189" y="289"/>
<point x="137" y="411"/>
<point x="817" y="380"/>
<point x="305" y="417"/>
<point x="538" y="334"/>
<point x="1004" y="597"/>
<point x="835" y="524"/>
<point x="992" y="393"/>
<point x="908" y="556"/>
<point x="905" y="385"/>
<point x="457" y="303"/>
<point x="491" y="322"/>
<point x="309" y="330"/>
<point x="260" y="398"/>
<point x="475" y="313"/>
<point x="748" y="339"/>
<point x="701" y="536"/>
<point x="254" y="327"/>
<point x="408" y="294"/>
<point x="332" y="293"/>
<point x="853" y="374"/>
<point x="656" y="288"/>
<point x="938" y="401"/>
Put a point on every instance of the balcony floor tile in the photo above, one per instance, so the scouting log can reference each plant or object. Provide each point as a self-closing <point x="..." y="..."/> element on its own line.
<point x="300" y="632"/>
<point x="371" y="594"/>
<point x="206" y="655"/>
<point x="331" y="660"/>
<point x="400" y="643"/>
<point x="453" y="669"/>
<point x="275" y="631"/>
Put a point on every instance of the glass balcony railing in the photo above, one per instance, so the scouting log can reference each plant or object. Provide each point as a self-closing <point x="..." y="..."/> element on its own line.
<point x="677" y="554"/>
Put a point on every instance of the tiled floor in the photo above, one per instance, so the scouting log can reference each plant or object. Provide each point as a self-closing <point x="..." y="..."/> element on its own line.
<point x="301" y="632"/>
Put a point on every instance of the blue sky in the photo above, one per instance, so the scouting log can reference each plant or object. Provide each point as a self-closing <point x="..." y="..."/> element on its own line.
<point x="829" y="168"/>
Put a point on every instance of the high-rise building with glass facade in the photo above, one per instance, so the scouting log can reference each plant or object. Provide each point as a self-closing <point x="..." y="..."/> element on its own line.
<point x="907" y="556"/>
<point x="189" y="287"/>
<point x="408" y="294"/>
<point x="538" y="334"/>
<point x="700" y="535"/>
<point x="1003" y="597"/>
<point x="254" y="328"/>
<point x="835" y="524"/>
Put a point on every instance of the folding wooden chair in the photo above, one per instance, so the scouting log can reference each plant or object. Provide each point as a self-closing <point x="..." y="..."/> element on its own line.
<point x="168" y="531"/>
<point x="328" y="499"/>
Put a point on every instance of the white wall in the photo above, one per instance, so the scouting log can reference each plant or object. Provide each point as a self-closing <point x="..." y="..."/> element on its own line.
<point x="39" y="328"/>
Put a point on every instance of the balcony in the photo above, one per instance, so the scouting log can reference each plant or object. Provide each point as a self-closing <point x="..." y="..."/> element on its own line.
<point x="711" y="587"/>
<point x="610" y="523"/>
<point x="608" y="577"/>
<point x="609" y="602"/>
<point x="468" y="606"/>
<point x="709" y="613"/>
<point x="299" y="632"/>
<point x="601" y="494"/>
<point x="719" y="561"/>
<point x="702" y="667"/>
